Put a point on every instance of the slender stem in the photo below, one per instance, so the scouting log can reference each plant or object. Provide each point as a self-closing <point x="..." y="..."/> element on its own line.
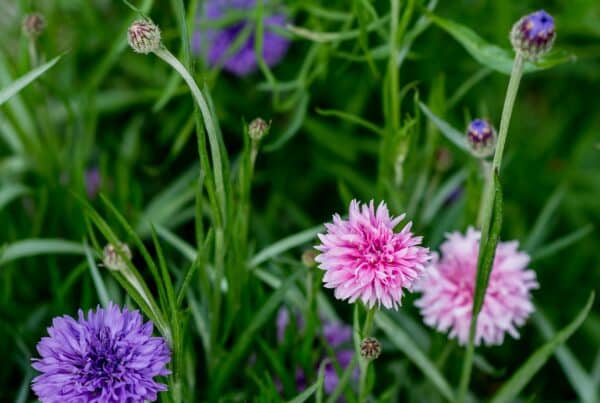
<point x="168" y="57"/>
<point x="364" y="363"/>
<point x="487" y="210"/>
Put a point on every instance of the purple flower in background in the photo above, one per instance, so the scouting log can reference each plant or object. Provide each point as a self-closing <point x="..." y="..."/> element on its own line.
<point x="110" y="356"/>
<point x="221" y="45"/>
<point x="93" y="181"/>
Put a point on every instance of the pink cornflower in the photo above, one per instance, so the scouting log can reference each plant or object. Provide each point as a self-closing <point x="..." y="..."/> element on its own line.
<point x="363" y="257"/>
<point x="448" y="287"/>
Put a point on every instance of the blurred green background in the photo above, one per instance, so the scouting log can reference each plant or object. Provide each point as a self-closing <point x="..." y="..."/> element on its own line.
<point x="104" y="107"/>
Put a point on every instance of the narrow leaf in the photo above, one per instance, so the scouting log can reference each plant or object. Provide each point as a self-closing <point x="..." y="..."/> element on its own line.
<point x="511" y="389"/>
<point x="23" y="81"/>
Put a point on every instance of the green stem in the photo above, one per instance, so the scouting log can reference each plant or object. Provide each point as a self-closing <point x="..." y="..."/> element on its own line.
<point x="211" y="130"/>
<point x="487" y="210"/>
<point x="364" y="363"/>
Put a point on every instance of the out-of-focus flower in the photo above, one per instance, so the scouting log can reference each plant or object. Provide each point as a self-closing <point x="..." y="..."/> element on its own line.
<point x="482" y="137"/>
<point x="533" y="35"/>
<point x="365" y="259"/>
<point x="448" y="287"/>
<point x="110" y="356"/>
<point x="143" y="36"/>
<point x="93" y="181"/>
<point x="219" y="45"/>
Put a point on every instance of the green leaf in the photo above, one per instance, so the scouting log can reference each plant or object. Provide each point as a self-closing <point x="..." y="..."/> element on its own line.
<point x="284" y="245"/>
<point x="493" y="56"/>
<point x="9" y="192"/>
<point x="579" y="379"/>
<point x="511" y="389"/>
<point x="23" y="81"/>
<point x="456" y="137"/>
<point x="229" y="362"/>
<point x="34" y="247"/>
<point x="401" y="340"/>
<point x="562" y="243"/>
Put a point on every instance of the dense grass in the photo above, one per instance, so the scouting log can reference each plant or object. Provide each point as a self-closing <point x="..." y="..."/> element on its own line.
<point x="346" y="123"/>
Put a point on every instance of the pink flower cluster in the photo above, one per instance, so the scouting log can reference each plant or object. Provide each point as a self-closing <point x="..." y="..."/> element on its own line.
<point x="365" y="259"/>
<point x="448" y="286"/>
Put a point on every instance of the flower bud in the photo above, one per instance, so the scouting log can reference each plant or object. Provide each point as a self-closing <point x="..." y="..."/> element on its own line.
<point x="143" y="36"/>
<point x="370" y="348"/>
<point x="533" y="35"/>
<point x="258" y="128"/>
<point x="308" y="258"/>
<point x="482" y="138"/>
<point x="111" y="258"/>
<point x="34" y="24"/>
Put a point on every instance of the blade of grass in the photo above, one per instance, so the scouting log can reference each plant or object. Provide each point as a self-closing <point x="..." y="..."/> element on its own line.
<point x="511" y="389"/>
<point x="401" y="340"/>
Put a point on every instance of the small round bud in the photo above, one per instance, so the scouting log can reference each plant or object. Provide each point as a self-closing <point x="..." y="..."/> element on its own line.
<point x="143" y="36"/>
<point x="34" y="24"/>
<point x="370" y="348"/>
<point x="308" y="258"/>
<point x="533" y="35"/>
<point x="482" y="138"/>
<point x="111" y="258"/>
<point x="258" y="128"/>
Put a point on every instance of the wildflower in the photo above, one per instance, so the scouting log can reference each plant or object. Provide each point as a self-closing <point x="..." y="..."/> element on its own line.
<point x="258" y="128"/>
<point x="110" y="356"/>
<point x="448" y="288"/>
<point x="370" y="348"/>
<point x="34" y="24"/>
<point x="364" y="259"/>
<point x="221" y="45"/>
<point x="533" y="35"/>
<point x="112" y="260"/>
<point x="143" y="36"/>
<point x="482" y="138"/>
<point x="93" y="181"/>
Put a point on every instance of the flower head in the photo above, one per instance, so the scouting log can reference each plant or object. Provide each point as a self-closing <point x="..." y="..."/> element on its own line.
<point x="110" y="356"/>
<point x="533" y="35"/>
<point x="482" y="137"/>
<point x="143" y="36"/>
<point x="365" y="259"/>
<point x="448" y="288"/>
<point x="220" y="46"/>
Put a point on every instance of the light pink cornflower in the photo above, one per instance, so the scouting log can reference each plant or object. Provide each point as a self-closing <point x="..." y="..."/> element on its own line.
<point x="363" y="257"/>
<point x="448" y="286"/>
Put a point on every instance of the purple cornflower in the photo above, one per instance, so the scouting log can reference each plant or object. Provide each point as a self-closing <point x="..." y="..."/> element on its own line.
<point x="110" y="356"/>
<point x="220" y="46"/>
<point x="533" y="35"/>
<point x="93" y="181"/>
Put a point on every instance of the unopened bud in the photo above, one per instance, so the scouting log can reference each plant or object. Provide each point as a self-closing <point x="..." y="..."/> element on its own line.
<point x="34" y="24"/>
<point x="143" y="36"/>
<point x="533" y="35"/>
<point x="370" y="348"/>
<point x="258" y="128"/>
<point x="308" y="258"/>
<point x="111" y="258"/>
<point x="482" y="138"/>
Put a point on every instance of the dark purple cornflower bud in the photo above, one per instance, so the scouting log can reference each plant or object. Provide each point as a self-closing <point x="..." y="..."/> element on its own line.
<point x="110" y="356"/>
<point x="482" y="137"/>
<point x="533" y="35"/>
<point x="218" y="46"/>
